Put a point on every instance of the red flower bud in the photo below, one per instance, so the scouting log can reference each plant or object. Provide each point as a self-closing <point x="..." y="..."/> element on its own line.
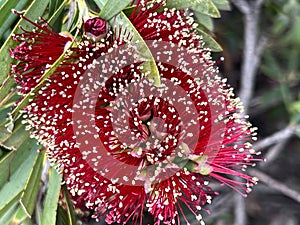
<point x="96" y="27"/>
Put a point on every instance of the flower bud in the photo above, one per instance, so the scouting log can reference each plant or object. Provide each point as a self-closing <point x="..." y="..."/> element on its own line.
<point x="95" y="27"/>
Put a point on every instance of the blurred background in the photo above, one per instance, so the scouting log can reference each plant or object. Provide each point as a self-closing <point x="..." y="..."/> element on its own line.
<point x="273" y="106"/>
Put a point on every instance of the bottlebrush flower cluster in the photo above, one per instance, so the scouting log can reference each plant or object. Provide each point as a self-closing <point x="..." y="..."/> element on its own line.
<point x="124" y="145"/>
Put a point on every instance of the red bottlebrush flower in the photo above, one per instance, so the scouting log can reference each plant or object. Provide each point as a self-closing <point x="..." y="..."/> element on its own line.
<point x="38" y="49"/>
<point x="126" y="146"/>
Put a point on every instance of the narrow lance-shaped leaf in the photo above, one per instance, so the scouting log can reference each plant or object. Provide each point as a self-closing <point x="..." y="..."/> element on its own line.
<point x="6" y="17"/>
<point x="149" y="67"/>
<point x="181" y="4"/>
<point x="112" y="8"/>
<point x="210" y="42"/>
<point x="54" y="5"/>
<point x="56" y="14"/>
<point x="204" y="20"/>
<point x="29" y="195"/>
<point x="18" y="180"/>
<point x="222" y="4"/>
<point x="206" y="7"/>
<point x="70" y="210"/>
<point x="52" y="197"/>
<point x="5" y="90"/>
<point x="7" y="212"/>
<point x="100" y="3"/>
<point x="17" y="145"/>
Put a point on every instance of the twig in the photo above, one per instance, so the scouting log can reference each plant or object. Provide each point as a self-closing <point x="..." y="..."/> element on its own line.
<point x="272" y="183"/>
<point x="251" y="54"/>
<point x="274" y="152"/>
<point x="258" y="3"/>
<point x="242" y="5"/>
<point x="253" y="48"/>
<point x="285" y="217"/>
<point x="277" y="137"/>
<point x="221" y="205"/>
<point x="261" y="44"/>
<point x="240" y="210"/>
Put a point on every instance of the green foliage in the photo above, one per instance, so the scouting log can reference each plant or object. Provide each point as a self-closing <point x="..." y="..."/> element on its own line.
<point x="30" y="191"/>
<point x="210" y="42"/>
<point x="17" y="183"/>
<point x="112" y="8"/>
<point x="222" y="4"/>
<point x="6" y="17"/>
<point x="281" y="58"/>
<point x="52" y="196"/>
<point x="206" y="7"/>
<point x="149" y="66"/>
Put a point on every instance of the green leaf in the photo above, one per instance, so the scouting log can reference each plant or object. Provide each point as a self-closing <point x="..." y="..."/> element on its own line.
<point x="5" y="168"/>
<point x="62" y="216"/>
<point x="222" y="4"/>
<point x="112" y="8"/>
<point x="17" y="181"/>
<point x="149" y="66"/>
<point x="17" y="137"/>
<point x="7" y="212"/>
<point x="83" y="8"/>
<point x="5" y="89"/>
<point x="57" y="12"/>
<point x="206" y="7"/>
<point x="12" y="160"/>
<point x="5" y="10"/>
<point x="2" y="2"/>
<point x="52" y="197"/>
<point x="286" y="94"/>
<point x="78" y="11"/>
<point x="71" y="217"/>
<point x="54" y="5"/>
<point x="269" y="95"/>
<point x="31" y="189"/>
<point x="209" y="42"/>
<point x="295" y="106"/>
<point x="296" y="119"/>
<point x="100" y="3"/>
<point x="271" y="66"/>
<point x="204" y="20"/>
<point x="6" y="17"/>
<point x="35" y="10"/>
<point x="181" y="4"/>
<point x="74" y="17"/>
<point x="4" y="134"/>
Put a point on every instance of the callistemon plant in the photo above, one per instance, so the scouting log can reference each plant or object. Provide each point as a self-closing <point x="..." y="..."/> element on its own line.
<point x="136" y="117"/>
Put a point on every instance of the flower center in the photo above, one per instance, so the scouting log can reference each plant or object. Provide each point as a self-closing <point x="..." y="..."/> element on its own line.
<point x="154" y="129"/>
